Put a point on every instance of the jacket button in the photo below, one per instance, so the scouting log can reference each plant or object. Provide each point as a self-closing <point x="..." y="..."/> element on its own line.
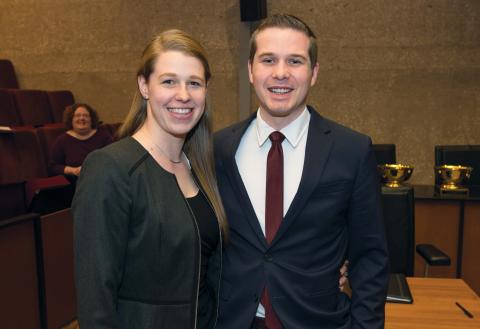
<point x="268" y="257"/>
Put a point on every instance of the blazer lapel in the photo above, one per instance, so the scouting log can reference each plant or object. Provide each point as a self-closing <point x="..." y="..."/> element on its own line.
<point x="233" y="174"/>
<point x="317" y="152"/>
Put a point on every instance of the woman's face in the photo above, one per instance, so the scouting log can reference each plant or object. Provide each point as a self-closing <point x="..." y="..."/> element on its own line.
<point x="176" y="93"/>
<point x="82" y="122"/>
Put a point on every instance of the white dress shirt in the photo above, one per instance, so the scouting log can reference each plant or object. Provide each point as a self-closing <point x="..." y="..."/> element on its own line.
<point x="251" y="158"/>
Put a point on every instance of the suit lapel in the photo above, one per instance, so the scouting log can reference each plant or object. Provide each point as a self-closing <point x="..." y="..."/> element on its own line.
<point x="317" y="151"/>
<point x="233" y="174"/>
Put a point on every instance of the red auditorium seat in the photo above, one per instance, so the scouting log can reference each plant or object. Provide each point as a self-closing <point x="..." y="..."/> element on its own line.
<point x="58" y="101"/>
<point x="47" y="136"/>
<point x="32" y="161"/>
<point x="113" y="128"/>
<point x="8" y="112"/>
<point x="12" y="200"/>
<point x="33" y="165"/>
<point x="25" y="163"/>
<point x="33" y="106"/>
<point x="9" y="160"/>
<point x="8" y="78"/>
<point x="12" y="186"/>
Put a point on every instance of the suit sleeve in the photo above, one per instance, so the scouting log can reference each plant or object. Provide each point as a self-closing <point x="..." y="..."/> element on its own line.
<point x="101" y="216"/>
<point x="367" y="247"/>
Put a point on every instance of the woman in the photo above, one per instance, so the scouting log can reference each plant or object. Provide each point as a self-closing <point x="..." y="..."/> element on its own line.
<point x="148" y="217"/>
<point x="82" y="137"/>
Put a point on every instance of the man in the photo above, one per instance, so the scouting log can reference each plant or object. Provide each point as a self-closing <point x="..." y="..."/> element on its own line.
<point x="288" y="239"/>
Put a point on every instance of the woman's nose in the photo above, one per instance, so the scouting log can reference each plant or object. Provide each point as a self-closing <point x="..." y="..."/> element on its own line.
<point x="183" y="94"/>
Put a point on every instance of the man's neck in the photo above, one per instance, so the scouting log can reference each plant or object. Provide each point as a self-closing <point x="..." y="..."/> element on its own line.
<point x="279" y="122"/>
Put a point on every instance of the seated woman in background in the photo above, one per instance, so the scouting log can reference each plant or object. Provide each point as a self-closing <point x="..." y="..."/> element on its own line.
<point x="82" y="137"/>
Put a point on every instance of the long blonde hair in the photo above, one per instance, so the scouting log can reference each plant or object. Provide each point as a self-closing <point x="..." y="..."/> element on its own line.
<point x="198" y="144"/>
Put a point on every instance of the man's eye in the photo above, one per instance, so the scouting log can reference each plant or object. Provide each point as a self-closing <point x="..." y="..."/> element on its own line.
<point x="267" y="60"/>
<point x="168" y="82"/>
<point x="295" y="61"/>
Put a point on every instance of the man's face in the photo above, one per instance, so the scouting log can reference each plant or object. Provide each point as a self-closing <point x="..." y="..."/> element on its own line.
<point x="281" y="74"/>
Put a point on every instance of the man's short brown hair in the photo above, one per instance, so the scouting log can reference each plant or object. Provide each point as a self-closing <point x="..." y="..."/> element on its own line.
<point x="287" y="22"/>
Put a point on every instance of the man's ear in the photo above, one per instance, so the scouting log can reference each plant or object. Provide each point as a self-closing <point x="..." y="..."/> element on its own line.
<point x="250" y="75"/>
<point x="142" y="86"/>
<point x="314" y="74"/>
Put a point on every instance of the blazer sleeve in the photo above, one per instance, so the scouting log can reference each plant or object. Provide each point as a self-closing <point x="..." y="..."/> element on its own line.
<point x="367" y="247"/>
<point x="101" y="216"/>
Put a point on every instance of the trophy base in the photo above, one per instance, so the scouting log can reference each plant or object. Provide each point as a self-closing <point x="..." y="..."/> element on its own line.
<point x="393" y="184"/>
<point x="448" y="190"/>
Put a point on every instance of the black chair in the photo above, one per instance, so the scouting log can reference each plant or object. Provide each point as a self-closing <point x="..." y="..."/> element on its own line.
<point x="399" y="220"/>
<point x="466" y="155"/>
<point x="385" y="153"/>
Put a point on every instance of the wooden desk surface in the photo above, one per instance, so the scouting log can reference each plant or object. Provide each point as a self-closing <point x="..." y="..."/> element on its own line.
<point x="434" y="306"/>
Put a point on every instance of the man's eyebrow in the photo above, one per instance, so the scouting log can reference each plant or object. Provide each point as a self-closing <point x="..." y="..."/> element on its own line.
<point x="298" y="56"/>
<point x="167" y="75"/>
<point x="266" y="54"/>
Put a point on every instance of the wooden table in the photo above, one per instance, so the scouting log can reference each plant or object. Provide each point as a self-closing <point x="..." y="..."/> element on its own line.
<point x="434" y="306"/>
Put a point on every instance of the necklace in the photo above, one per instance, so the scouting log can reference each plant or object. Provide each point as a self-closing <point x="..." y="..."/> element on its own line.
<point x="165" y="155"/>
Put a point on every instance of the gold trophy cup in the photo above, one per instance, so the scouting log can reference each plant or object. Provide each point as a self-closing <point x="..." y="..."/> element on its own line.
<point x="452" y="177"/>
<point x="393" y="175"/>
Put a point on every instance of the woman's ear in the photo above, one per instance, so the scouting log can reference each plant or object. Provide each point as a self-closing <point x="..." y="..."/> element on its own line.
<point x="142" y="86"/>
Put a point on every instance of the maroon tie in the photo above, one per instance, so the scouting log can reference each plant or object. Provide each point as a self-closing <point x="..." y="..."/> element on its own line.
<point x="273" y="211"/>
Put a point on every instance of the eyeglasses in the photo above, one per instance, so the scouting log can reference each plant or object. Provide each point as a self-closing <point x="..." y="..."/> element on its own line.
<point x="81" y="115"/>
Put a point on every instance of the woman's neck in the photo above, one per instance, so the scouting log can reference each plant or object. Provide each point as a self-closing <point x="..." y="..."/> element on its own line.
<point x="167" y="146"/>
<point x="82" y="135"/>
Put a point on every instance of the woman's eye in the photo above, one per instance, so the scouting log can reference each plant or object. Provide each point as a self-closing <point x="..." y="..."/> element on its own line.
<point x="196" y="83"/>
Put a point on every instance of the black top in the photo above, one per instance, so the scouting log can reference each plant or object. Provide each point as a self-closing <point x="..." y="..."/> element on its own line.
<point x="209" y="234"/>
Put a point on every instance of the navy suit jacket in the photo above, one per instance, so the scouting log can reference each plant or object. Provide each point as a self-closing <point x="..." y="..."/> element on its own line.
<point x="335" y="215"/>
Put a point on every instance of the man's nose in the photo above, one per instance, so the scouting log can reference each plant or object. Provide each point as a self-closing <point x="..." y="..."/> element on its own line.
<point x="281" y="71"/>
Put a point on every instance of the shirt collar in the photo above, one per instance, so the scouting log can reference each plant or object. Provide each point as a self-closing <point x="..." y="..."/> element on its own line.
<point x="293" y="132"/>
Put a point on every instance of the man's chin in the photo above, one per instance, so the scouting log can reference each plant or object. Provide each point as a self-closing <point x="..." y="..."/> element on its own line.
<point x="280" y="111"/>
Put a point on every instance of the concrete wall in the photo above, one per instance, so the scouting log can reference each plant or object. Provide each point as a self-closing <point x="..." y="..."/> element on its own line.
<point x="93" y="47"/>
<point x="404" y="72"/>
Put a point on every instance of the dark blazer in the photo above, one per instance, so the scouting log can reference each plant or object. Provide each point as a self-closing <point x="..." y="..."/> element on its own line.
<point x="335" y="215"/>
<point x="137" y="245"/>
